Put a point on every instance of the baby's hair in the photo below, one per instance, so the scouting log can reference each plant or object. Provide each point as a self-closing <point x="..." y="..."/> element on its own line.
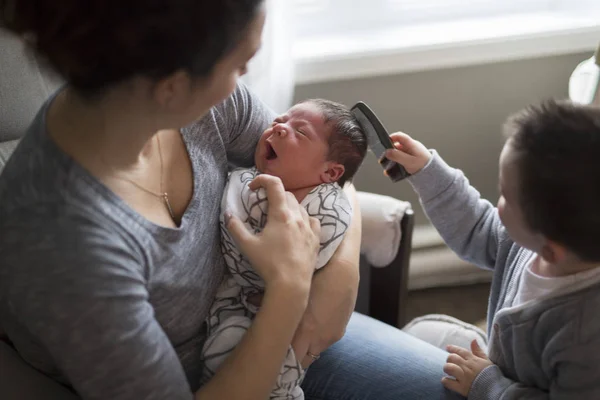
<point x="347" y="141"/>
<point x="558" y="150"/>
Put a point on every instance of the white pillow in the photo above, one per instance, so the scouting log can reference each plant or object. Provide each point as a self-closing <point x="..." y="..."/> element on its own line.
<point x="381" y="232"/>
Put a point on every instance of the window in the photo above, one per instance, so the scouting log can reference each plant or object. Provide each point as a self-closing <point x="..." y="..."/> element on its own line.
<point x="332" y="17"/>
<point x="342" y="39"/>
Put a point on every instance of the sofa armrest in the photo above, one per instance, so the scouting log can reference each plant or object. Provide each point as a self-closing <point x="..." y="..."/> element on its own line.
<point x="386" y="244"/>
<point x="381" y="230"/>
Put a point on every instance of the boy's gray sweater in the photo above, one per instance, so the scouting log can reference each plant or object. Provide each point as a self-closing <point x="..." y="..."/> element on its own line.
<point x="547" y="348"/>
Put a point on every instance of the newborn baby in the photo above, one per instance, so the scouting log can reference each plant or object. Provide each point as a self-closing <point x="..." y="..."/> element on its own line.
<point x="314" y="148"/>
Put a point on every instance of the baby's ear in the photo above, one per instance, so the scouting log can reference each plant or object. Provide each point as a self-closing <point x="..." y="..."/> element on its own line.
<point x="333" y="172"/>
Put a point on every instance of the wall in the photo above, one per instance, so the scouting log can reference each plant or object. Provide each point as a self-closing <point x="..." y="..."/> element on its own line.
<point x="457" y="111"/>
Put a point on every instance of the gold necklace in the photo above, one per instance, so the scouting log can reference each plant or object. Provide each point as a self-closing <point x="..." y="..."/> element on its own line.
<point x="162" y="195"/>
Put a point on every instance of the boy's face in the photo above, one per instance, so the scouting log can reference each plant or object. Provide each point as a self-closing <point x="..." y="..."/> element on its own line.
<point x="508" y="204"/>
<point x="295" y="147"/>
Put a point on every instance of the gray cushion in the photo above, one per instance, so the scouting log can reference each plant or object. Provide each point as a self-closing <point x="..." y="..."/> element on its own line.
<point x="23" y="87"/>
<point x="18" y="381"/>
<point x="6" y="148"/>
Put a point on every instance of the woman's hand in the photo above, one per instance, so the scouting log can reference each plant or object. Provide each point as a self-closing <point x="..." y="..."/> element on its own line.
<point x="285" y="252"/>
<point x="409" y="153"/>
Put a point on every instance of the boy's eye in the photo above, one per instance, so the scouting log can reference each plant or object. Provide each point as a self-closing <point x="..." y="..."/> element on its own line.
<point x="300" y="132"/>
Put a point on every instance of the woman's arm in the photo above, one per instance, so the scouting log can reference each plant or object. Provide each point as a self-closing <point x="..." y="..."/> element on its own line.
<point x="244" y="118"/>
<point x="333" y="293"/>
<point x="251" y="370"/>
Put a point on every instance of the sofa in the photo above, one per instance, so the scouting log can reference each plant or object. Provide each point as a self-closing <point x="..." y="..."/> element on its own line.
<point x="387" y="225"/>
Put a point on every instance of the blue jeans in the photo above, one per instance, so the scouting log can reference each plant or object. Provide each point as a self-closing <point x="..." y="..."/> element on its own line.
<point x="375" y="361"/>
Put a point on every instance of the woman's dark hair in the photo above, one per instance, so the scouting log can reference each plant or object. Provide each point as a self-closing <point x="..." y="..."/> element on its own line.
<point x="347" y="141"/>
<point x="96" y="43"/>
<point x="558" y="159"/>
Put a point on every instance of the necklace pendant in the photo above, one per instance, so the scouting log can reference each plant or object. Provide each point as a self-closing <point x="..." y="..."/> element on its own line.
<point x="165" y="197"/>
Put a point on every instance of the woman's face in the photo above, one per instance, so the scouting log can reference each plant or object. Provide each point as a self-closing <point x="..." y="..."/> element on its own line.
<point x="221" y="83"/>
<point x="196" y="98"/>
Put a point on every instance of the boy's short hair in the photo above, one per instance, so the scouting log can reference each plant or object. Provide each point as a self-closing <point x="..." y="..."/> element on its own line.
<point x="558" y="148"/>
<point x="347" y="141"/>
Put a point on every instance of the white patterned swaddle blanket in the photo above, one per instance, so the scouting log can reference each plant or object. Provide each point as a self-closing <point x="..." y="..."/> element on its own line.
<point x="231" y="315"/>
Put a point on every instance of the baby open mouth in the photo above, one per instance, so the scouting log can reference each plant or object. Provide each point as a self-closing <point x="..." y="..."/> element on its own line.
<point x="271" y="155"/>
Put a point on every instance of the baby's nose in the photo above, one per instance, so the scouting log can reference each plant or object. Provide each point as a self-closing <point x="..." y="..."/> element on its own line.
<point x="281" y="130"/>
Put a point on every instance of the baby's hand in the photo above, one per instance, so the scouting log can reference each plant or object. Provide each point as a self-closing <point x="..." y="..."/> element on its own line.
<point x="464" y="366"/>
<point x="409" y="153"/>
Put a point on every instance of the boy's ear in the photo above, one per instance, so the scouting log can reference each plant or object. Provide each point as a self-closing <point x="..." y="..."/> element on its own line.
<point x="553" y="252"/>
<point x="333" y="172"/>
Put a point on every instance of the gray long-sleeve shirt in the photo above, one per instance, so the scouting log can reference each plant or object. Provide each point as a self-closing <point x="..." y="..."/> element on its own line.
<point x="93" y="294"/>
<point x="548" y="348"/>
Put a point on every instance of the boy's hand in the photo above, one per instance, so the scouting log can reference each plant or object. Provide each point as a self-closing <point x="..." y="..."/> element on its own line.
<point x="464" y="366"/>
<point x="409" y="153"/>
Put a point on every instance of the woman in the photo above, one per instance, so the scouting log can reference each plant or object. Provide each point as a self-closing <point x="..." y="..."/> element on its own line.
<point x="112" y="199"/>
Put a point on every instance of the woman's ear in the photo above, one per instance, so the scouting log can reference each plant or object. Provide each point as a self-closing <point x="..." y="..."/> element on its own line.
<point x="173" y="93"/>
<point x="553" y="252"/>
<point x="333" y="172"/>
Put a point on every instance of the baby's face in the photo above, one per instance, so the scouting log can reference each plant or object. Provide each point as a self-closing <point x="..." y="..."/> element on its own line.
<point x="295" y="147"/>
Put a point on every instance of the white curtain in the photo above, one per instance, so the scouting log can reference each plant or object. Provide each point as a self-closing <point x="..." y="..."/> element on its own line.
<point x="271" y="71"/>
